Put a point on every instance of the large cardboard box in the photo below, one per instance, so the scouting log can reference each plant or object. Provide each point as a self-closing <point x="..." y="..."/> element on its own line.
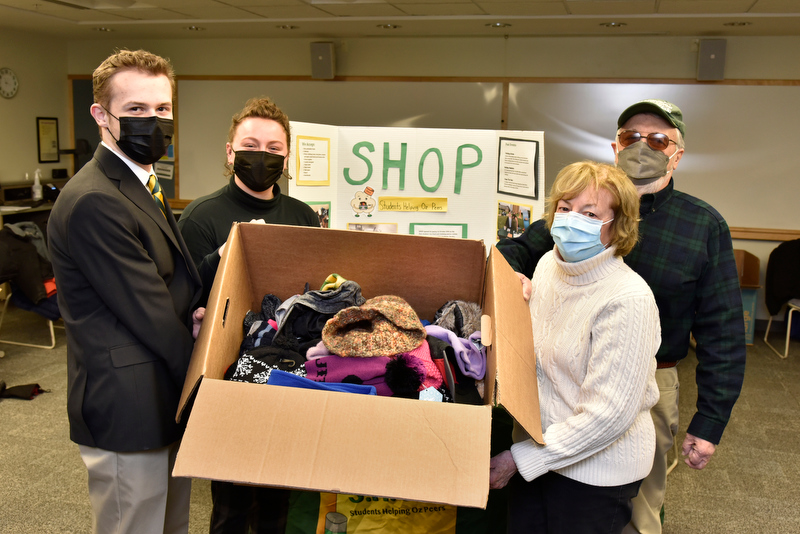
<point x="345" y="443"/>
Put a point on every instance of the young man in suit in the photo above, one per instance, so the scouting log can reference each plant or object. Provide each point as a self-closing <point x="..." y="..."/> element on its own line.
<point x="127" y="286"/>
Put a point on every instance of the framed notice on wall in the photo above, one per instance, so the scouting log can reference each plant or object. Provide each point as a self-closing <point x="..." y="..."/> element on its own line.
<point x="47" y="135"/>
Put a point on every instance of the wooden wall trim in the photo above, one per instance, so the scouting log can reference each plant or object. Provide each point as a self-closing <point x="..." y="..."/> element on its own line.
<point x="475" y="79"/>
<point x="764" y="234"/>
<point x="178" y="203"/>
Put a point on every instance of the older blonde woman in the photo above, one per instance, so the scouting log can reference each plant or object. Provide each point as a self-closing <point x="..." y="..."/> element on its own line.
<point x="596" y="332"/>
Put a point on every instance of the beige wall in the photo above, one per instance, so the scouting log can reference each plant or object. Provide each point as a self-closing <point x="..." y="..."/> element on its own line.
<point x="44" y="63"/>
<point x="609" y="57"/>
<point x="41" y="67"/>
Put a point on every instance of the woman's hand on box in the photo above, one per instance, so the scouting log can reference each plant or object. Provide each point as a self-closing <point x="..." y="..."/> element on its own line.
<point x="501" y="469"/>
<point x="527" y="287"/>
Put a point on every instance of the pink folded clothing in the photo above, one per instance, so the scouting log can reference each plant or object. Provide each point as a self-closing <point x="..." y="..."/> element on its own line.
<point x="369" y="371"/>
<point x="433" y="377"/>
<point x="318" y="351"/>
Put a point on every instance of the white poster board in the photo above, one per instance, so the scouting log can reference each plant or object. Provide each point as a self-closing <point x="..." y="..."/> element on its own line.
<point x="476" y="184"/>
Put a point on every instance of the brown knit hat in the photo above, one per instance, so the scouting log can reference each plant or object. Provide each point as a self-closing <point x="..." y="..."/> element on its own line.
<point x="382" y="326"/>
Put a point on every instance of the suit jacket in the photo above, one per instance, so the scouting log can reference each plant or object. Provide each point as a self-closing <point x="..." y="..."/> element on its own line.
<point x="126" y="289"/>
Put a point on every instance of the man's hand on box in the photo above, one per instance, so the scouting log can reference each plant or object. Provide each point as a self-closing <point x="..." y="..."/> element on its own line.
<point x="221" y="249"/>
<point x="197" y="321"/>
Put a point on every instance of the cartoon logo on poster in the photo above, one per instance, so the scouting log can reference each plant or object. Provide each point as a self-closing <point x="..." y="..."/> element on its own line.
<point x="363" y="203"/>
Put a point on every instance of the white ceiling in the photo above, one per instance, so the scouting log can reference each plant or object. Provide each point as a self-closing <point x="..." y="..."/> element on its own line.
<point x="332" y="19"/>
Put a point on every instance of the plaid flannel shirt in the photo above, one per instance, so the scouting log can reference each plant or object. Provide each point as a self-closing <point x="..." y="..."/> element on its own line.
<point x="685" y="254"/>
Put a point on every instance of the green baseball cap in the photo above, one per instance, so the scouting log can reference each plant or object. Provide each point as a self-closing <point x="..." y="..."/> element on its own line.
<point x="667" y="110"/>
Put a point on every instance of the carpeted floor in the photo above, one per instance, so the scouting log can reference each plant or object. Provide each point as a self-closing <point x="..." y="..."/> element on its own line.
<point x="750" y="486"/>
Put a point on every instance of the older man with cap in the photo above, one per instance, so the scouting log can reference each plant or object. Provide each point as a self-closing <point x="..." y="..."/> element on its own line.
<point x="686" y="256"/>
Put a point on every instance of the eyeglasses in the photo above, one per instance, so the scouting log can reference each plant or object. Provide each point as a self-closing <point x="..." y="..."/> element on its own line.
<point x="656" y="141"/>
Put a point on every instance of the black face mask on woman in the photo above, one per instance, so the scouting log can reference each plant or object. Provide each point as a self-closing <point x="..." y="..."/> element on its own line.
<point x="258" y="170"/>
<point x="144" y="139"/>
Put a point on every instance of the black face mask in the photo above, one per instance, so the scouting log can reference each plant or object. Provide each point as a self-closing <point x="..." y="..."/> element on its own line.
<point x="144" y="139"/>
<point x="258" y="170"/>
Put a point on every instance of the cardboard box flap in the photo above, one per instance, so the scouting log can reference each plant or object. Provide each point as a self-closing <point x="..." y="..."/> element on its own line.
<point x="382" y="264"/>
<point x="217" y="347"/>
<point x="293" y="438"/>
<point x="511" y="364"/>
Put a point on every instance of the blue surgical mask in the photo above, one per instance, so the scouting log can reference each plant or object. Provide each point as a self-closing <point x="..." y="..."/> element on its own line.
<point x="577" y="236"/>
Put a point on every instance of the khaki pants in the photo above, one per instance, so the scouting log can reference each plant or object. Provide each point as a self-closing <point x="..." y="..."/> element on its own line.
<point x="646" y="518"/>
<point x="135" y="492"/>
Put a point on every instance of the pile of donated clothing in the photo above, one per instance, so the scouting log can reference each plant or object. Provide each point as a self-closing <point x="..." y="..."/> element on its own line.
<point x="333" y="338"/>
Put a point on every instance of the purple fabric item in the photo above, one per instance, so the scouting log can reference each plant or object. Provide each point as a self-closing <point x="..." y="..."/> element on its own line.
<point x="369" y="371"/>
<point x="470" y="359"/>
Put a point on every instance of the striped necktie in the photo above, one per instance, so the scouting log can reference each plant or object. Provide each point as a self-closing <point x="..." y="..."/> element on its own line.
<point x="158" y="196"/>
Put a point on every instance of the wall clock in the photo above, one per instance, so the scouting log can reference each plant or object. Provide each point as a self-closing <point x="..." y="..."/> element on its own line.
<point x="8" y="83"/>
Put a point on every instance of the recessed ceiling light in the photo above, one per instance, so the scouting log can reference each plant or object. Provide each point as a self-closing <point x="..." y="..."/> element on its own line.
<point x="103" y="29"/>
<point x="499" y="25"/>
<point x="737" y="23"/>
<point x="613" y="24"/>
<point x="194" y="28"/>
<point x="286" y="27"/>
<point x="389" y="26"/>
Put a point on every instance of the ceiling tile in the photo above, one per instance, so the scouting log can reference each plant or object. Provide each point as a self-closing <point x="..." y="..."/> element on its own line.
<point x="174" y="4"/>
<point x="776" y="6"/>
<point x="400" y="2"/>
<point x="287" y="12"/>
<point x="262" y="3"/>
<point x="72" y="14"/>
<point x="612" y="7"/>
<point x="358" y="18"/>
<point x="523" y="8"/>
<point x="704" y="6"/>
<point x="441" y="9"/>
<point x="144" y="14"/>
<point x="212" y="12"/>
<point x="360" y="10"/>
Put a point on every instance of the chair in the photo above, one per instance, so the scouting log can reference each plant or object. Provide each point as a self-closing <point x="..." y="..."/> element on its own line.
<point x="793" y="305"/>
<point x="782" y="286"/>
<point x="48" y="309"/>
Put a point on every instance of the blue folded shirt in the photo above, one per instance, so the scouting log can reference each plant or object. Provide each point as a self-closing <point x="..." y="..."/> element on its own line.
<point x="282" y="378"/>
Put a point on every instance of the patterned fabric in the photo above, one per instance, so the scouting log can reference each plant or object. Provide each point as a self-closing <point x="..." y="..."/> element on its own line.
<point x="382" y="326"/>
<point x="685" y="254"/>
<point x="256" y="365"/>
<point x="158" y="196"/>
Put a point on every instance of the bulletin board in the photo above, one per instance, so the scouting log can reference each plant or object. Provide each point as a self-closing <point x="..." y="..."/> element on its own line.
<point x="479" y="184"/>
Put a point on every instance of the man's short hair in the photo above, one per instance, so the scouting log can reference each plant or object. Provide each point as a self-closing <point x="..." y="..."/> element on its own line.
<point x="261" y="107"/>
<point x="122" y="60"/>
<point x="575" y="178"/>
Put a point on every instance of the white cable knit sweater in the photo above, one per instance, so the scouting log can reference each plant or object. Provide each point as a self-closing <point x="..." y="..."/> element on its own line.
<point x="595" y="332"/>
